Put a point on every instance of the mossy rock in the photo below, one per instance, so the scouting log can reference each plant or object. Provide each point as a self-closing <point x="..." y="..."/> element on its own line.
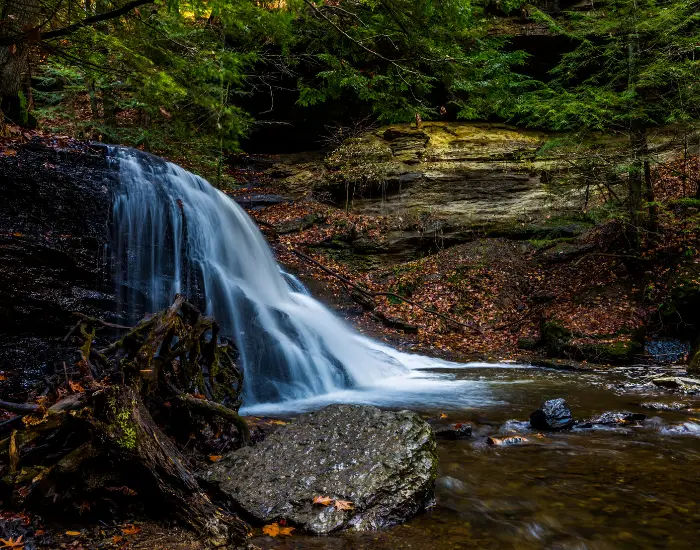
<point x="682" y="309"/>
<point x="618" y="352"/>
<point x="527" y="343"/>
<point x="554" y="337"/>
<point x="694" y="365"/>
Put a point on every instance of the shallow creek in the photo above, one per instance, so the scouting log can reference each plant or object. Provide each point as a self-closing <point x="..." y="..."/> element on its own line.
<point x="605" y="488"/>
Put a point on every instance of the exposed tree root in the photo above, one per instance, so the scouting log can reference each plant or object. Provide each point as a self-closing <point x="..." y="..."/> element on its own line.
<point x="119" y="432"/>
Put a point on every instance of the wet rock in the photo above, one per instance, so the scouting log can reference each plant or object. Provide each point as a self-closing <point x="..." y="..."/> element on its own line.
<point x="660" y="406"/>
<point x="687" y="428"/>
<point x="299" y="224"/>
<point x="613" y="418"/>
<point x="385" y="463"/>
<point x="453" y="431"/>
<point x="255" y="201"/>
<point x="666" y="350"/>
<point x="552" y="415"/>
<point x="508" y="441"/>
<point x="55" y="206"/>
<point x="694" y="365"/>
<point x="678" y="383"/>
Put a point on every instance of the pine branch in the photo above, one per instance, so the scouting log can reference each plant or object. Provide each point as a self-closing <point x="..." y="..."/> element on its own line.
<point x="88" y="21"/>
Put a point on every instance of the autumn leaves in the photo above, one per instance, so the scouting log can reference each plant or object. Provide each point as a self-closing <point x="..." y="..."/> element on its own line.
<point x="281" y="529"/>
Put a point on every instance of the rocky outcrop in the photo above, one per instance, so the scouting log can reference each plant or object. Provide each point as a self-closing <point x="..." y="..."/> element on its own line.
<point x="383" y="463"/>
<point x="55" y="205"/>
<point x="448" y="176"/>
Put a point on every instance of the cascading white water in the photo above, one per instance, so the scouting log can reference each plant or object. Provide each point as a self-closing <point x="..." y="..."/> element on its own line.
<point x="174" y="232"/>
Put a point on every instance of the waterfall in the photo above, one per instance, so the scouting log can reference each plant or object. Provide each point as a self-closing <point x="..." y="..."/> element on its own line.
<point x="175" y="233"/>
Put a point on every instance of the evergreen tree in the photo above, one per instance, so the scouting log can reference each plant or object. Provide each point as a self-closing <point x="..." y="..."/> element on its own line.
<point x="634" y="68"/>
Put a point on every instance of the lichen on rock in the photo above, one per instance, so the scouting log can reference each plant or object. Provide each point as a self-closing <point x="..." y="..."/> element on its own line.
<point x="383" y="462"/>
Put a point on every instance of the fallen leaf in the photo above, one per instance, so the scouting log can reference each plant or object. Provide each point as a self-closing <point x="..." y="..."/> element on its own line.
<point x="130" y="529"/>
<point x="343" y="505"/>
<point x="165" y="113"/>
<point x="73" y="533"/>
<point x="39" y="532"/>
<point x="12" y="543"/>
<point x="215" y="458"/>
<point x="443" y="415"/>
<point x="9" y="152"/>
<point x="75" y="387"/>
<point x="117" y="538"/>
<point x="274" y="530"/>
<point x="323" y="501"/>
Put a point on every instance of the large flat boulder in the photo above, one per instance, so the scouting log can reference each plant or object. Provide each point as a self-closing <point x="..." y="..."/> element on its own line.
<point x="384" y="463"/>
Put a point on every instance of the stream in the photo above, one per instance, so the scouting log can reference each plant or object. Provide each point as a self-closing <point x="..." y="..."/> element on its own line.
<point x="609" y="487"/>
<point x="601" y="488"/>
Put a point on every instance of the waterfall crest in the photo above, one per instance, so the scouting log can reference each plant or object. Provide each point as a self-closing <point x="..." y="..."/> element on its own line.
<point x="174" y="232"/>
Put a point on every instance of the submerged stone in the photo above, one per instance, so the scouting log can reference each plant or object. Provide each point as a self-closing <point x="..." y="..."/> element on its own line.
<point x="660" y="406"/>
<point x="554" y="414"/>
<point x="453" y="431"/>
<point x="384" y="463"/>
<point x="508" y="441"/>
<point x="678" y="383"/>
<point x="613" y="418"/>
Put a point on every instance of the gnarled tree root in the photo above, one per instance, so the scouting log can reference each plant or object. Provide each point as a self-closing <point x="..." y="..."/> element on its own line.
<point x="115" y="436"/>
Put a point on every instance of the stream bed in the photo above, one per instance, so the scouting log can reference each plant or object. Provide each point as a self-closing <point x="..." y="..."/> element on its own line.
<point x="601" y="488"/>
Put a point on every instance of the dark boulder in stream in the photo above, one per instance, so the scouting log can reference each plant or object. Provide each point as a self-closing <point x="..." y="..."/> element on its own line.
<point x="453" y="432"/>
<point x="554" y="414"/>
<point x="376" y="467"/>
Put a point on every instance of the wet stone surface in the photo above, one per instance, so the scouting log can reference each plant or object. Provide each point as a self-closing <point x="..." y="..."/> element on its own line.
<point x="554" y="414"/>
<point x="382" y="462"/>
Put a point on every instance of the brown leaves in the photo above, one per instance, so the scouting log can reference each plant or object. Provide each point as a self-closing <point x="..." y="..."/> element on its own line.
<point x="75" y="387"/>
<point x="275" y="530"/>
<point x="344" y="505"/>
<point x="338" y="503"/>
<point x="323" y="501"/>
<point x="130" y="529"/>
<point x="215" y="458"/>
<point x="17" y="543"/>
<point x="73" y="533"/>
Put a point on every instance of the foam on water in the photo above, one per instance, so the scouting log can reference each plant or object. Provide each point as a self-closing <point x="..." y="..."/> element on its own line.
<point x="175" y="233"/>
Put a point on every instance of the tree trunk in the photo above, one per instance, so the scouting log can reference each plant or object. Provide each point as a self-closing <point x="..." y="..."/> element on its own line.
<point x="635" y="181"/>
<point x="16" y="16"/>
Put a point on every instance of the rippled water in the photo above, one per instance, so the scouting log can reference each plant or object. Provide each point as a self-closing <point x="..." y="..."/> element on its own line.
<point x="607" y="488"/>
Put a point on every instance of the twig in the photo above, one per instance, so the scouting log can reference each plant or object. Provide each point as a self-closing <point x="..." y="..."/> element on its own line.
<point x="607" y="254"/>
<point x="20" y="408"/>
<point x="95" y="320"/>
